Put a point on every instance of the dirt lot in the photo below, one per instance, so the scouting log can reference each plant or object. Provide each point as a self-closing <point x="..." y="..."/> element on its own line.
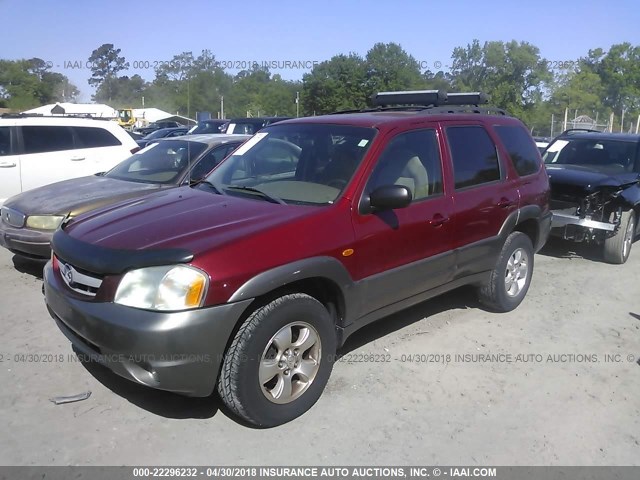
<point x="561" y="402"/>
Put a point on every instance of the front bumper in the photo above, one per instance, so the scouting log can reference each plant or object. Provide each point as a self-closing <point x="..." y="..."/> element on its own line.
<point x="26" y="242"/>
<point x="562" y="219"/>
<point x="179" y="352"/>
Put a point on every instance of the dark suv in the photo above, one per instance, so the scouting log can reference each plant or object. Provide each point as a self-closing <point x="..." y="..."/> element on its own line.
<point x="315" y="227"/>
<point x="595" y="189"/>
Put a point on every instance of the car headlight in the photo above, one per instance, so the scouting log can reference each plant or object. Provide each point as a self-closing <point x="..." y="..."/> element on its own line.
<point x="44" y="222"/>
<point x="170" y="287"/>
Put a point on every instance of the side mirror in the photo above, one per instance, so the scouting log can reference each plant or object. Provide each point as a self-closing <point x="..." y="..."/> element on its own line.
<point x="389" y="197"/>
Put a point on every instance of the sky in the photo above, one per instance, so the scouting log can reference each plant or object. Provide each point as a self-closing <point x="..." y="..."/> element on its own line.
<point x="65" y="32"/>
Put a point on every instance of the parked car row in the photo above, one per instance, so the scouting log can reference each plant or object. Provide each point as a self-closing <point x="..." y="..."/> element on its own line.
<point x="36" y="151"/>
<point x="29" y="219"/>
<point x="189" y="274"/>
<point x="241" y="126"/>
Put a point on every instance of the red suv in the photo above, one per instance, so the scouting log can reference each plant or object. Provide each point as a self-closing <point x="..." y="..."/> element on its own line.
<point x="248" y="282"/>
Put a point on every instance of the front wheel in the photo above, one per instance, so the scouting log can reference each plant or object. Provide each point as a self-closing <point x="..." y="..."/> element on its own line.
<point x="509" y="280"/>
<point x="618" y="247"/>
<point x="279" y="361"/>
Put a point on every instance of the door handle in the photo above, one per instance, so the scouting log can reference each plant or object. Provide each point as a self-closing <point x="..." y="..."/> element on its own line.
<point x="439" y="220"/>
<point x="77" y="159"/>
<point x="7" y="164"/>
<point x="506" y="203"/>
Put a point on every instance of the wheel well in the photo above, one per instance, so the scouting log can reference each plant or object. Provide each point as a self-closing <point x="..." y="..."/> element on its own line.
<point x="530" y="228"/>
<point x="322" y="289"/>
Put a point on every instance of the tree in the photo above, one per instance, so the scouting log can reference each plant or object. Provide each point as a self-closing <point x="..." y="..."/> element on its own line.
<point x="29" y="83"/>
<point x="619" y="72"/>
<point x="335" y="84"/>
<point x="390" y="68"/>
<point x="513" y="73"/>
<point x="105" y="64"/>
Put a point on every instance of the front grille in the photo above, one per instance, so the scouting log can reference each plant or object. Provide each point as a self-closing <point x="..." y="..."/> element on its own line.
<point x="12" y="217"/>
<point x="79" y="280"/>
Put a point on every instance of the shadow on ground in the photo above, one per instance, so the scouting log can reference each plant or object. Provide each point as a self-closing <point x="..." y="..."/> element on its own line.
<point x="558" y="248"/>
<point x="461" y="298"/>
<point x="158" y="402"/>
<point x="170" y="405"/>
<point x="28" y="266"/>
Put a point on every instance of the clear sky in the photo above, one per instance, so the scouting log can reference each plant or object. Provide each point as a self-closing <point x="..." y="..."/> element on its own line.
<point x="63" y="31"/>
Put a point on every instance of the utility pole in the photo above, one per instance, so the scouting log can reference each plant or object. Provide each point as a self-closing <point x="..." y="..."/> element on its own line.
<point x="638" y="124"/>
<point x="622" y="121"/>
<point x="221" y="106"/>
<point x="297" y="104"/>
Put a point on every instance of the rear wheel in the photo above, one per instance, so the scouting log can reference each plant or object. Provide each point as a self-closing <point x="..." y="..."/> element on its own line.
<point x="509" y="281"/>
<point x="618" y="247"/>
<point x="279" y="361"/>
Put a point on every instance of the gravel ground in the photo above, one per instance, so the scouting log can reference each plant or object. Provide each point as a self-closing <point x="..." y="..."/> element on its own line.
<point x="564" y="390"/>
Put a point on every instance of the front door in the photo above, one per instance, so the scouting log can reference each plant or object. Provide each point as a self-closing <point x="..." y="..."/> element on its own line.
<point x="404" y="252"/>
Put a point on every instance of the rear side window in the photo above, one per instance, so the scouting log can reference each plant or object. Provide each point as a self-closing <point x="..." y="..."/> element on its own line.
<point x="522" y="150"/>
<point x="92" y="137"/>
<point x="41" y="138"/>
<point x="5" y="141"/>
<point x="474" y="155"/>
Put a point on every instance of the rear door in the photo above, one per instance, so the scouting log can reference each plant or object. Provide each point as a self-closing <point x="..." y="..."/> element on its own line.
<point x="483" y="199"/>
<point x="406" y="251"/>
<point x="96" y="150"/>
<point x="49" y="155"/>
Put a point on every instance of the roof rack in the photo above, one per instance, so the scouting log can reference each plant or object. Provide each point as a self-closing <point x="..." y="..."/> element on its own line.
<point x="41" y="115"/>
<point x="430" y="102"/>
<point x="428" y="98"/>
<point x="415" y="97"/>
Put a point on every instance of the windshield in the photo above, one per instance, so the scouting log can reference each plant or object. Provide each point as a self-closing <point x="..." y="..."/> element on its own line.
<point x="163" y="162"/>
<point x="305" y="164"/>
<point x="601" y="154"/>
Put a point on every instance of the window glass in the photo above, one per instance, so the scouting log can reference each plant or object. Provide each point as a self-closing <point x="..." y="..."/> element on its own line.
<point x="610" y="156"/>
<point x="522" y="150"/>
<point x="475" y="160"/>
<point x="5" y="141"/>
<point x="306" y="164"/>
<point x="413" y="160"/>
<point x="162" y="162"/>
<point x="213" y="158"/>
<point x="92" y="137"/>
<point x="41" y="138"/>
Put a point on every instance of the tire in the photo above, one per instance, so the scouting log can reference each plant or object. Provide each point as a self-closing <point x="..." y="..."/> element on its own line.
<point x="263" y="384"/>
<point x="618" y="247"/>
<point x="495" y="294"/>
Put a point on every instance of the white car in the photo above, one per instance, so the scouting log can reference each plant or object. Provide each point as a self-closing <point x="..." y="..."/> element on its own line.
<point x="38" y="150"/>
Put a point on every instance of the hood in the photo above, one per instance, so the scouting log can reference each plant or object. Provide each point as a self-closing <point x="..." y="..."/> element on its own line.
<point x="77" y="195"/>
<point x="186" y="218"/>
<point x="584" y="179"/>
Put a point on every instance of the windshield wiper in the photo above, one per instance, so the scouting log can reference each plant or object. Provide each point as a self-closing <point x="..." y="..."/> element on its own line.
<point x="209" y="184"/>
<point x="264" y="195"/>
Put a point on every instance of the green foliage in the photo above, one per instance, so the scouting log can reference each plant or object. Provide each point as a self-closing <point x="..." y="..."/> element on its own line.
<point x="105" y="63"/>
<point x="334" y="85"/>
<point x="513" y="73"/>
<point x="26" y="84"/>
